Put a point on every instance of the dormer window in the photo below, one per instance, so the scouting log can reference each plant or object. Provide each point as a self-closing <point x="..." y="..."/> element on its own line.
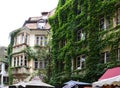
<point x="41" y="24"/>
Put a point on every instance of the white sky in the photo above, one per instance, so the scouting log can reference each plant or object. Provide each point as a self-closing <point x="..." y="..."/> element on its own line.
<point x="13" y="14"/>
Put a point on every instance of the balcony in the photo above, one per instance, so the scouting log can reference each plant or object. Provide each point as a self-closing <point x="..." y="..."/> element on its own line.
<point x="19" y="48"/>
<point x="20" y="70"/>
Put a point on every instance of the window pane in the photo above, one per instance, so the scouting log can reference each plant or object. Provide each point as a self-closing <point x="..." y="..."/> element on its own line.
<point x="36" y="63"/>
<point x="118" y="16"/>
<point x="102" y="57"/>
<point x="107" y="22"/>
<point x="107" y="56"/>
<point x="101" y="23"/>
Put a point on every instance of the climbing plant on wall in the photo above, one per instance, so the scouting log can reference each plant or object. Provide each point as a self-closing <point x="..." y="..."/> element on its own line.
<point x="72" y="16"/>
<point x="9" y="53"/>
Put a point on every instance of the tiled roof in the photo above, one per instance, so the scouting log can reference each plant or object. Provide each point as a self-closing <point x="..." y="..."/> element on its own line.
<point x="31" y="23"/>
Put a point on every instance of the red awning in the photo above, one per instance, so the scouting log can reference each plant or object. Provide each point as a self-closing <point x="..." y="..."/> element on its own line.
<point x="111" y="73"/>
<point x="110" y="77"/>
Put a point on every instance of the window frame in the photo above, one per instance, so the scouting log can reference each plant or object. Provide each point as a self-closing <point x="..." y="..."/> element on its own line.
<point x="80" y="63"/>
<point x="105" y="57"/>
<point x="118" y="15"/>
<point x="80" y="35"/>
<point x="105" y="22"/>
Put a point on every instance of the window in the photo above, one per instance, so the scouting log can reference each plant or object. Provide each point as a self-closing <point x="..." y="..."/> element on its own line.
<point x="80" y="35"/>
<point x="36" y="63"/>
<point x="104" y="23"/>
<point x="108" y="22"/>
<point x="62" y="43"/>
<point x="18" y="39"/>
<point x="42" y="64"/>
<point x="118" y="54"/>
<point x="37" y="40"/>
<point x="26" y="39"/>
<point x="39" y="64"/>
<point x="40" y="40"/>
<point x="105" y="57"/>
<point x="80" y="62"/>
<point x="45" y="40"/>
<point x="5" y="80"/>
<point x="23" y="38"/>
<point x="101" y="23"/>
<point x="17" y="61"/>
<point x="14" y="61"/>
<point x="41" y="24"/>
<point x="21" y="61"/>
<point x="25" y="61"/>
<point x="118" y="16"/>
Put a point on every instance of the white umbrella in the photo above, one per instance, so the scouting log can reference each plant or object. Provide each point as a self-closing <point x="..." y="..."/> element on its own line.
<point x="6" y="87"/>
<point x="23" y="84"/>
<point x="38" y="83"/>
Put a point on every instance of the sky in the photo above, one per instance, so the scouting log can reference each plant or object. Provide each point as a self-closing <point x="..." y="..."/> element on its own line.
<point x="13" y="14"/>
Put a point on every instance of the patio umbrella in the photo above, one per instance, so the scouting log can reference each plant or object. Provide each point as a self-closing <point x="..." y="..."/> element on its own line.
<point x="72" y="83"/>
<point x="38" y="83"/>
<point x="6" y="87"/>
<point x="23" y="84"/>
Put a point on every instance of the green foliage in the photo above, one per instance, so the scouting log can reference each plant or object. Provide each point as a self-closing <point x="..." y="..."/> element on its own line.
<point x="71" y="16"/>
<point x="9" y="52"/>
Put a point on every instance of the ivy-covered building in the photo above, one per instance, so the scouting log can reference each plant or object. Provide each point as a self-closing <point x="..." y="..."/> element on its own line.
<point x="86" y="39"/>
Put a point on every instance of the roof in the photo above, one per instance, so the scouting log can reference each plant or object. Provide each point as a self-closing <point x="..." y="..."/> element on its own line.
<point x="110" y="73"/>
<point x="32" y="22"/>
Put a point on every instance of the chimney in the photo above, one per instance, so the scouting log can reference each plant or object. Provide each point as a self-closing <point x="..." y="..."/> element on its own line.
<point x="44" y="13"/>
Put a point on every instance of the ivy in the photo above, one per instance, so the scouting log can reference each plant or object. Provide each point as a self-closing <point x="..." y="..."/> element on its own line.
<point x="71" y="16"/>
<point x="9" y="53"/>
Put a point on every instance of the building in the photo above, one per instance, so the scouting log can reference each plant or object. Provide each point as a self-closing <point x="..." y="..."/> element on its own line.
<point x="86" y="39"/>
<point x="33" y="33"/>
<point x="3" y="67"/>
